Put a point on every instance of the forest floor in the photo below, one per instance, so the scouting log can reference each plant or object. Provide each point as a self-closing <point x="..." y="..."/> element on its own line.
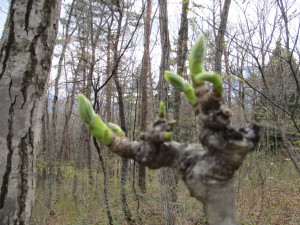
<point x="267" y="192"/>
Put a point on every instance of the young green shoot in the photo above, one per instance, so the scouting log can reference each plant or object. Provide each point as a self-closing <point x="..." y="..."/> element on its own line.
<point x="93" y="122"/>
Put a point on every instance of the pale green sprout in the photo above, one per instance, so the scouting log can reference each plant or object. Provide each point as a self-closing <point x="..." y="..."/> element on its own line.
<point x="197" y="56"/>
<point x="104" y="134"/>
<point x="85" y="110"/>
<point x="93" y="122"/>
<point x="162" y="110"/>
<point x="199" y="76"/>
<point x="212" y="77"/>
<point x="175" y="80"/>
<point x="189" y="93"/>
<point x="181" y="85"/>
<point x="116" y="129"/>
<point x="162" y="114"/>
<point x="168" y="136"/>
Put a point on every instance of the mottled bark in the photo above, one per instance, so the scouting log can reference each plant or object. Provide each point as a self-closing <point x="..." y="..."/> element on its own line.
<point x="207" y="173"/>
<point x="25" y="59"/>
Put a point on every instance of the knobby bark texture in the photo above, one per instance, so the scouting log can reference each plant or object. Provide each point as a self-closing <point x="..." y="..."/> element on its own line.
<point x="206" y="169"/>
<point x="26" y="51"/>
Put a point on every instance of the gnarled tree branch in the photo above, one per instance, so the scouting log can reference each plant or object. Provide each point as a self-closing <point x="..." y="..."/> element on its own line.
<point x="207" y="168"/>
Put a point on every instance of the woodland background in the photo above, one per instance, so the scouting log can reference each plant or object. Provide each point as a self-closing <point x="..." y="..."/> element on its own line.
<point x="115" y="53"/>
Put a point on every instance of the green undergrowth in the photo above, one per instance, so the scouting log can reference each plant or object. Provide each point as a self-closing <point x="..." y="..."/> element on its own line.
<point x="267" y="192"/>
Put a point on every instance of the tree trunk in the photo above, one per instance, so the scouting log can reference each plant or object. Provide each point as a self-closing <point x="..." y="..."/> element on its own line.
<point x="105" y="183"/>
<point x="181" y="63"/>
<point x="66" y="39"/>
<point x="144" y="90"/>
<point x="63" y="150"/>
<point x="124" y="167"/>
<point x="108" y="71"/>
<point x="25" y="60"/>
<point x="229" y="84"/>
<point x="167" y="176"/>
<point x="165" y="51"/>
<point x="220" y="37"/>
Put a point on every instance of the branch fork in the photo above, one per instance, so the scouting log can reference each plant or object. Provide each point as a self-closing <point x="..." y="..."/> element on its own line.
<point x="206" y="168"/>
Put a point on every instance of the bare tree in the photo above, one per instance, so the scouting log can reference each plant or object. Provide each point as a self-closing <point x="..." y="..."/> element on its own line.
<point x="279" y="110"/>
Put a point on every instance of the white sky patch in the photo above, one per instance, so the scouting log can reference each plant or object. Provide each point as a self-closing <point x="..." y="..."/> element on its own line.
<point x="4" y="4"/>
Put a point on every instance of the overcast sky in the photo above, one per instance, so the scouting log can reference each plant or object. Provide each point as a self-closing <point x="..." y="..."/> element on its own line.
<point x="3" y="14"/>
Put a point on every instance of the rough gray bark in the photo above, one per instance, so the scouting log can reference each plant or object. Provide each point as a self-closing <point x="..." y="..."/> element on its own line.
<point x="206" y="169"/>
<point x="25" y="59"/>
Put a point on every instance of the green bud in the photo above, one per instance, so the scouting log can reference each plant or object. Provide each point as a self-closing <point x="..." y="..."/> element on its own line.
<point x="116" y="129"/>
<point x="180" y="85"/>
<point x="162" y="110"/>
<point x="93" y="122"/>
<point x="212" y="77"/>
<point x="175" y="80"/>
<point x="197" y="56"/>
<point x="190" y="94"/>
<point x="101" y="131"/>
<point x="168" y="136"/>
<point x="85" y="109"/>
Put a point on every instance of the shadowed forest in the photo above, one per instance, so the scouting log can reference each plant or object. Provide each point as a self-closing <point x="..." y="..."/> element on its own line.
<point x="115" y="52"/>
